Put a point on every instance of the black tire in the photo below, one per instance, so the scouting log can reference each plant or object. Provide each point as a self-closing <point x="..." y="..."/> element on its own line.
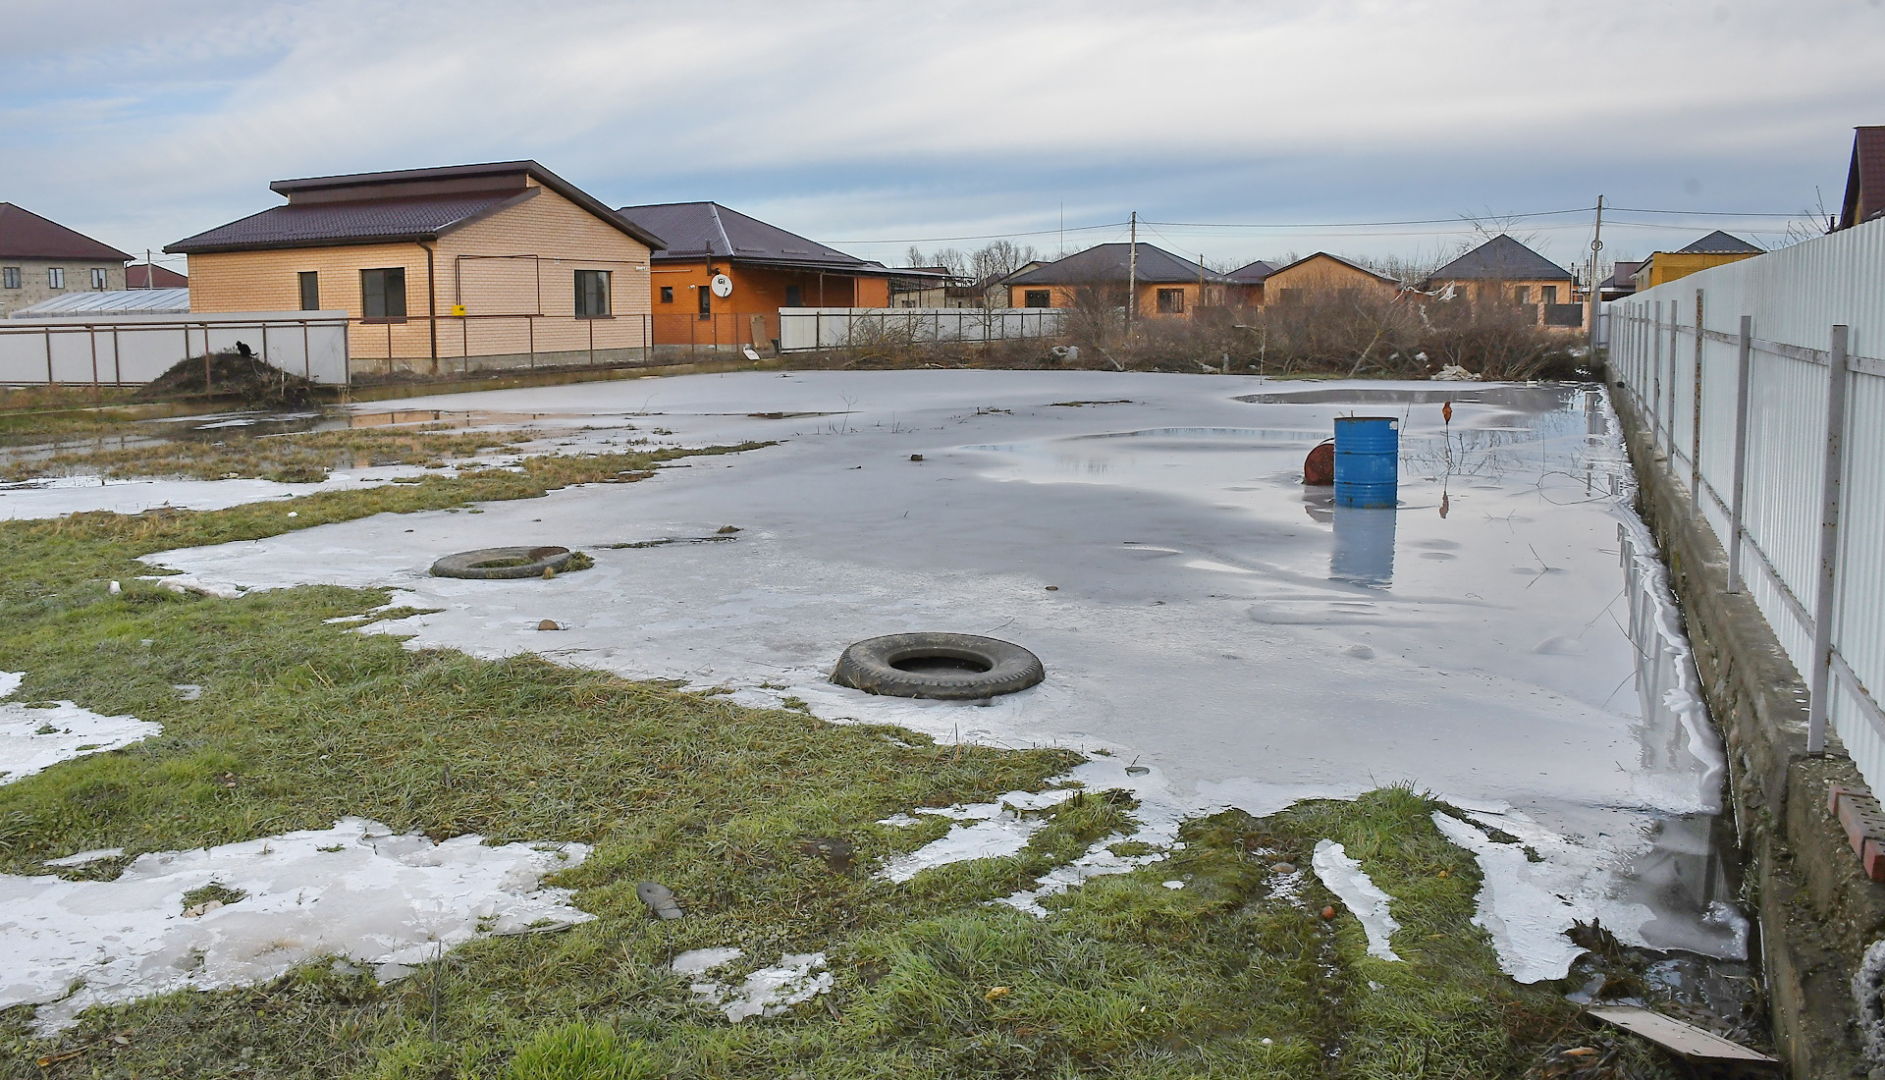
<point x="502" y="562"/>
<point x="951" y="667"/>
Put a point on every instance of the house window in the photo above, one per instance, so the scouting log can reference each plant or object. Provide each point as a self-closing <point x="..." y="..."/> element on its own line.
<point x="794" y="296"/>
<point x="667" y="294"/>
<point x="101" y="278"/>
<point x="703" y="298"/>
<point x="383" y="293"/>
<point x="10" y="277"/>
<point x="1171" y="301"/>
<point x="592" y="294"/>
<point x="1522" y="294"/>
<point x="1549" y="293"/>
<point x="55" y="277"/>
<point x="1036" y="298"/>
<point x="310" y="290"/>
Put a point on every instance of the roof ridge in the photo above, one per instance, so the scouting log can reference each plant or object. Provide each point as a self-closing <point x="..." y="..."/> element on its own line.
<point x="713" y="214"/>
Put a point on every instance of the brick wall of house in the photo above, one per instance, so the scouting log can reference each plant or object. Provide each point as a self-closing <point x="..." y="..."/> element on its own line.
<point x="519" y="262"/>
<point x="34" y="285"/>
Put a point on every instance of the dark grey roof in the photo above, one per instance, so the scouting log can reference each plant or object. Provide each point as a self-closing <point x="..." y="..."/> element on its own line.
<point x="393" y="207"/>
<point x="369" y="221"/>
<point x="1252" y="274"/>
<point x="1623" y="274"/>
<point x="26" y="235"/>
<point x="1108" y="262"/>
<point x="1502" y="259"/>
<point x="1720" y="243"/>
<point x="695" y="230"/>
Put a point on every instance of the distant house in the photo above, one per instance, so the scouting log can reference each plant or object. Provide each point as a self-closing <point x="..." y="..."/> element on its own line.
<point x="1504" y="270"/>
<point x="490" y="265"/>
<point x="1168" y="286"/>
<point x="1621" y="282"/>
<point x="1865" y="178"/>
<point x="41" y="259"/>
<point x="151" y="276"/>
<point x="723" y="276"/>
<point x="1312" y="277"/>
<point x="922" y="286"/>
<point x="1715" y="249"/>
<point x="1246" y="282"/>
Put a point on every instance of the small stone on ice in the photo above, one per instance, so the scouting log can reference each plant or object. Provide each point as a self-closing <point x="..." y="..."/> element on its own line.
<point x="548" y="624"/>
<point x="1283" y="868"/>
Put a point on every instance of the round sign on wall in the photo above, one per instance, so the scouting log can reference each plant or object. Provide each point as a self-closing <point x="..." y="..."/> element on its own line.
<point x="722" y="285"/>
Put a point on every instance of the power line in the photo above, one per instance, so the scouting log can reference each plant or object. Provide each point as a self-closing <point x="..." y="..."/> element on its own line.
<point x="1704" y="213"/>
<point x="985" y="236"/>
<point x="1455" y="220"/>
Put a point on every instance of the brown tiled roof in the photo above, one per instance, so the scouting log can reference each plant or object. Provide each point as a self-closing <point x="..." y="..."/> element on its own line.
<point x="26" y="235"/>
<point x="366" y="221"/>
<point x="1865" y="179"/>
<point x="394" y="207"/>
<point x="138" y="275"/>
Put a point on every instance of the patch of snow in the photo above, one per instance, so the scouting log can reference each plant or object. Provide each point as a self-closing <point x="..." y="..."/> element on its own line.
<point x="1346" y="879"/>
<point x="10" y="681"/>
<point x="188" y="691"/>
<point x="1173" y="884"/>
<point x="990" y="830"/>
<point x="696" y="961"/>
<point x="770" y="991"/>
<point x="85" y="858"/>
<point x="355" y="890"/>
<point x="55" y="497"/>
<point x="34" y="740"/>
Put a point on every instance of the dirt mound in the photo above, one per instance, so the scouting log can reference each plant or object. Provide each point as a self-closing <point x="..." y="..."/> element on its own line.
<point x="236" y="373"/>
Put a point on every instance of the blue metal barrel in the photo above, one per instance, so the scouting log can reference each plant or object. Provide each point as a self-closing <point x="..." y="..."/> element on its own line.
<point x="1367" y="460"/>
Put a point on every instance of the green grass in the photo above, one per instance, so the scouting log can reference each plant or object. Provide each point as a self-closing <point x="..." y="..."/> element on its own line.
<point x="301" y="457"/>
<point x="738" y="811"/>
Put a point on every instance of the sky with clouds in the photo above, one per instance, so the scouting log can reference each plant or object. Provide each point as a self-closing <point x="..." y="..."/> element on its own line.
<point x="874" y="125"/>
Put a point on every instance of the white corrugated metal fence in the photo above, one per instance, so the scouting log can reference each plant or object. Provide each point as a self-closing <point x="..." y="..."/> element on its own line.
<point x="1764" y="384"/>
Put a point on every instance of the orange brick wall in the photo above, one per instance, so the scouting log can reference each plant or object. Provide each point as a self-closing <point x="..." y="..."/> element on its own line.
<point x="757" y="291"/>
<point x="1321" y="275"/>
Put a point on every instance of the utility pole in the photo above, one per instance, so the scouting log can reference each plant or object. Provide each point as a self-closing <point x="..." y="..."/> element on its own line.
<point x="1596" y="248"/>
<point x="150" y="275"/>
<point x="1132" y="273"/>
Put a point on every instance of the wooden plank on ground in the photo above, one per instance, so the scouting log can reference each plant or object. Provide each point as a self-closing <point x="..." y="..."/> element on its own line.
<point x="1686" y="1040"/>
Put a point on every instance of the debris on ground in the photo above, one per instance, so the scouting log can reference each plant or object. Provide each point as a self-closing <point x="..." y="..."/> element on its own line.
<point x="659" y="898"/>
<point x="238" y="373"/>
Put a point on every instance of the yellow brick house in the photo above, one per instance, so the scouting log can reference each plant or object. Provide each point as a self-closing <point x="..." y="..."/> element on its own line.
<point x="503" y="264"/>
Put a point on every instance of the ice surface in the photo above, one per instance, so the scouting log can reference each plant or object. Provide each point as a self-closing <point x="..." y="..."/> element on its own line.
<point x="33" y="740"/>
<point x="770" y="991"/>
<point x="1211" y="617"/>
<point x="10" y="681"/>
<point x="59" y="496"/>
<point x="1345" y="878"/>
<point x="85" y="858"/>
<point x="696" y="961"/>
<point x="988" y="830"/>
<point x="355" y="890"/>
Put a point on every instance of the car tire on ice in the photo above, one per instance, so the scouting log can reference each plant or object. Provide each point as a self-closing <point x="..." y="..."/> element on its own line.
<point x="951" y="667"/>
<point x="502" y="562"/>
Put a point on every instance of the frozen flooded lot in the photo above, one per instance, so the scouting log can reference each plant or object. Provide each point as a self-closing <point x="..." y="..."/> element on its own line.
<point x="1221" y="635"/>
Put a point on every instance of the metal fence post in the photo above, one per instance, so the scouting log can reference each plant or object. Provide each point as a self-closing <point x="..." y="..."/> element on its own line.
<point x="1737" y="498"/>
<point x="1695" y="415"/>
<point x="1655" y="409"/>
<point x="1823" y="601"/>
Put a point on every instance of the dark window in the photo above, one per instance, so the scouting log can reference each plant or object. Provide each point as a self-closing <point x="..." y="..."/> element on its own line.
<point x="592" y="294"/>
<point x="383" y="293"/>
<point x="794" y="296"/>
<point x="1549" y="293"/>
<point x="667" y="294"/>
<point x="704" y="298"/>
<point x="1522" y="294"/>
<point x="55" y="277"/>
<point x="101" y="278"/>
<point x="1036" y="298"/>
<point x="310" y="290"/>
<point x="1171" y="301"/>
<point x="11" y="276"/>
